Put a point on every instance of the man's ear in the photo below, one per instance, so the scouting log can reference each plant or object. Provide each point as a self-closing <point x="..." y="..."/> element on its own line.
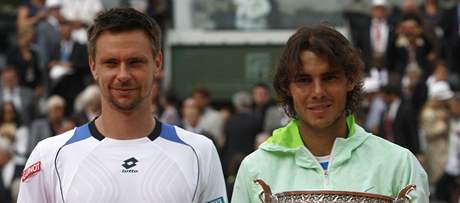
<point x="92" y="67"/>
<point x="352" y="81"/>
<point x="350" y="85"/>
<point x="158" y="64"/>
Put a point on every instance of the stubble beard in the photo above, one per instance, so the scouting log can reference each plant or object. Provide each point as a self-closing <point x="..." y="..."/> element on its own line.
<point x="131" y="106"/>
<point x="335" y="121"/>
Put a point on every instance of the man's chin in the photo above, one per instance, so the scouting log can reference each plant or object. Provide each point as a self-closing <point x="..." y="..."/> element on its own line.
<point x="126" y="107"/>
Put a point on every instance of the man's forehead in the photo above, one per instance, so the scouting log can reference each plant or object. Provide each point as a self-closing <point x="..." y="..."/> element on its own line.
<point x="329" y="70"/>
<point x="127" y="43"/>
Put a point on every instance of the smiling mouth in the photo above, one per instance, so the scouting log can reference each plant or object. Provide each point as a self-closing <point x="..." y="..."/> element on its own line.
<point x="123" y="91"/>
<point x="319" y="108"/>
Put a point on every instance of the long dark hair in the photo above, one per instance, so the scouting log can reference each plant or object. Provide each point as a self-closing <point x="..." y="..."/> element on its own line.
<point x="17" y="117"/>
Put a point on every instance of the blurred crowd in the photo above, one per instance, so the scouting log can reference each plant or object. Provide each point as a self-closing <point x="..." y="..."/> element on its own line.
<point x="412" y="88"/>
<point x="412" y="97"/>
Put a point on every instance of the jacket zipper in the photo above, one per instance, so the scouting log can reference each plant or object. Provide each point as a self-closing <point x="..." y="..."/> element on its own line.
<point x="326" y="176"/>
<point x="325" y="173"/>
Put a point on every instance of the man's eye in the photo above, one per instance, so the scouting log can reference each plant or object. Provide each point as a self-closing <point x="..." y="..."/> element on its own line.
<point x="302" y="80"/>
<point x="136" y="62"/>
<point x="109" y="62"/>
<point x="330" y="77"/>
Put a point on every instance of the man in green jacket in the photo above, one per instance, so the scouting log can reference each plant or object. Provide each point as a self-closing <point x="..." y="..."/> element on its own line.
<point x="319" y="82"/>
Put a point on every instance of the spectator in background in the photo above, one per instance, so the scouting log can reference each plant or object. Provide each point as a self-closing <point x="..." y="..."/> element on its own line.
<point x="412" y="77"/>
<point x="404" y="8"/>
<point x="87" y="105"/>
<point x="375" y="38"/>
<point x="431" y="15"/>
<point x="191" y="116"/>
<point x="6" y="154"/>
<point x="16" y="136"/>
<point x="69" y="70"/>
<point x="161" y="11"/>
<point x="439" y="72"/>
<point x="379" y="71"/>
<point x="260" y="103"/>
<point x="51" y="125"/>
<point x="435" y="127"/>
<point x="374" y="104"/>
<point x="450" y="24"/>
<point x="414" y="88"/>
<point x="80" y="13"/>
<point x="398" y="123"/>
<point x="21" y="97"/>
<point x="240" y="131"/>
<point x="26" y="61"/>
<point x="170" y="114"/>
<point x="448" y="187"/>
<point x="275" y="117"/>
<point x="210" y="120"/>
<point x="47" y="35"/>
<point x="30" y="13"/>
<point x="9" y="117"/>
<point x="410" y="46"/>
<point x="241" y="128"/>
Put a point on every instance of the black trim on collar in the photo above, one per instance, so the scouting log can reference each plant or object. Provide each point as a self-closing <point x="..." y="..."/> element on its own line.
<point x="99" y="136"/>
<point x="94" y="132"/>
<point x="156" y="131"/>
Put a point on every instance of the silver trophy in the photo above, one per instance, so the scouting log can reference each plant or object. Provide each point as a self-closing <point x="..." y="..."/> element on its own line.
<point x="324" y="196"/>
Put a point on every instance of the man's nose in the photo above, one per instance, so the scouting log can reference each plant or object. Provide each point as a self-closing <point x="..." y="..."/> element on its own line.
<point x="123" y="73"/>
<point x="318" y="89"/>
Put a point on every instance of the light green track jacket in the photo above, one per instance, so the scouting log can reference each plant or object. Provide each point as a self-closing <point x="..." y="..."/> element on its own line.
<point x="362" y="162"/>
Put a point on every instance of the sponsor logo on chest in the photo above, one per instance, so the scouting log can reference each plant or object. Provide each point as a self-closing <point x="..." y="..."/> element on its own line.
<point x="128" y="165"/>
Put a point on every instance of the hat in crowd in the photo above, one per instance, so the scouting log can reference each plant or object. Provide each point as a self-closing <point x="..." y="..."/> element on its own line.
<point x="53" y="3"/>
<point x="371" y="85"/>
<point x="440" y="90"/>
<point x="379" y="3"/>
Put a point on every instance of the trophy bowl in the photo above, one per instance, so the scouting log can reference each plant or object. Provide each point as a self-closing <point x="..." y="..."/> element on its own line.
<point x="328" y="196"/>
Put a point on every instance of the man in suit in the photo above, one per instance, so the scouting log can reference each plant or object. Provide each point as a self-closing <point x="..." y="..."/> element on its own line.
<point x="21" y="97"/>
<point x="69" y="71"/>
<point x="376" y="34"/>
<point x="398" y="123"/>
<point x="47" y="35"/>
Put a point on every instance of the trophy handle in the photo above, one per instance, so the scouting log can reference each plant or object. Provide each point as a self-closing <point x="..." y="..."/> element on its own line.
<point x="404" y="193"/>
<point x="266" y="191"/>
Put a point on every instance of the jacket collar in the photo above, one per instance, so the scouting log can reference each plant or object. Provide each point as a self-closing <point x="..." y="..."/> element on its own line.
<point x="288" y="140"/>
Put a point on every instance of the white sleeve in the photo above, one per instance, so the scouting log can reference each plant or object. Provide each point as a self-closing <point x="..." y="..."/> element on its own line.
<point x="35" y="180"/>
<point x="214" y="190"/>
